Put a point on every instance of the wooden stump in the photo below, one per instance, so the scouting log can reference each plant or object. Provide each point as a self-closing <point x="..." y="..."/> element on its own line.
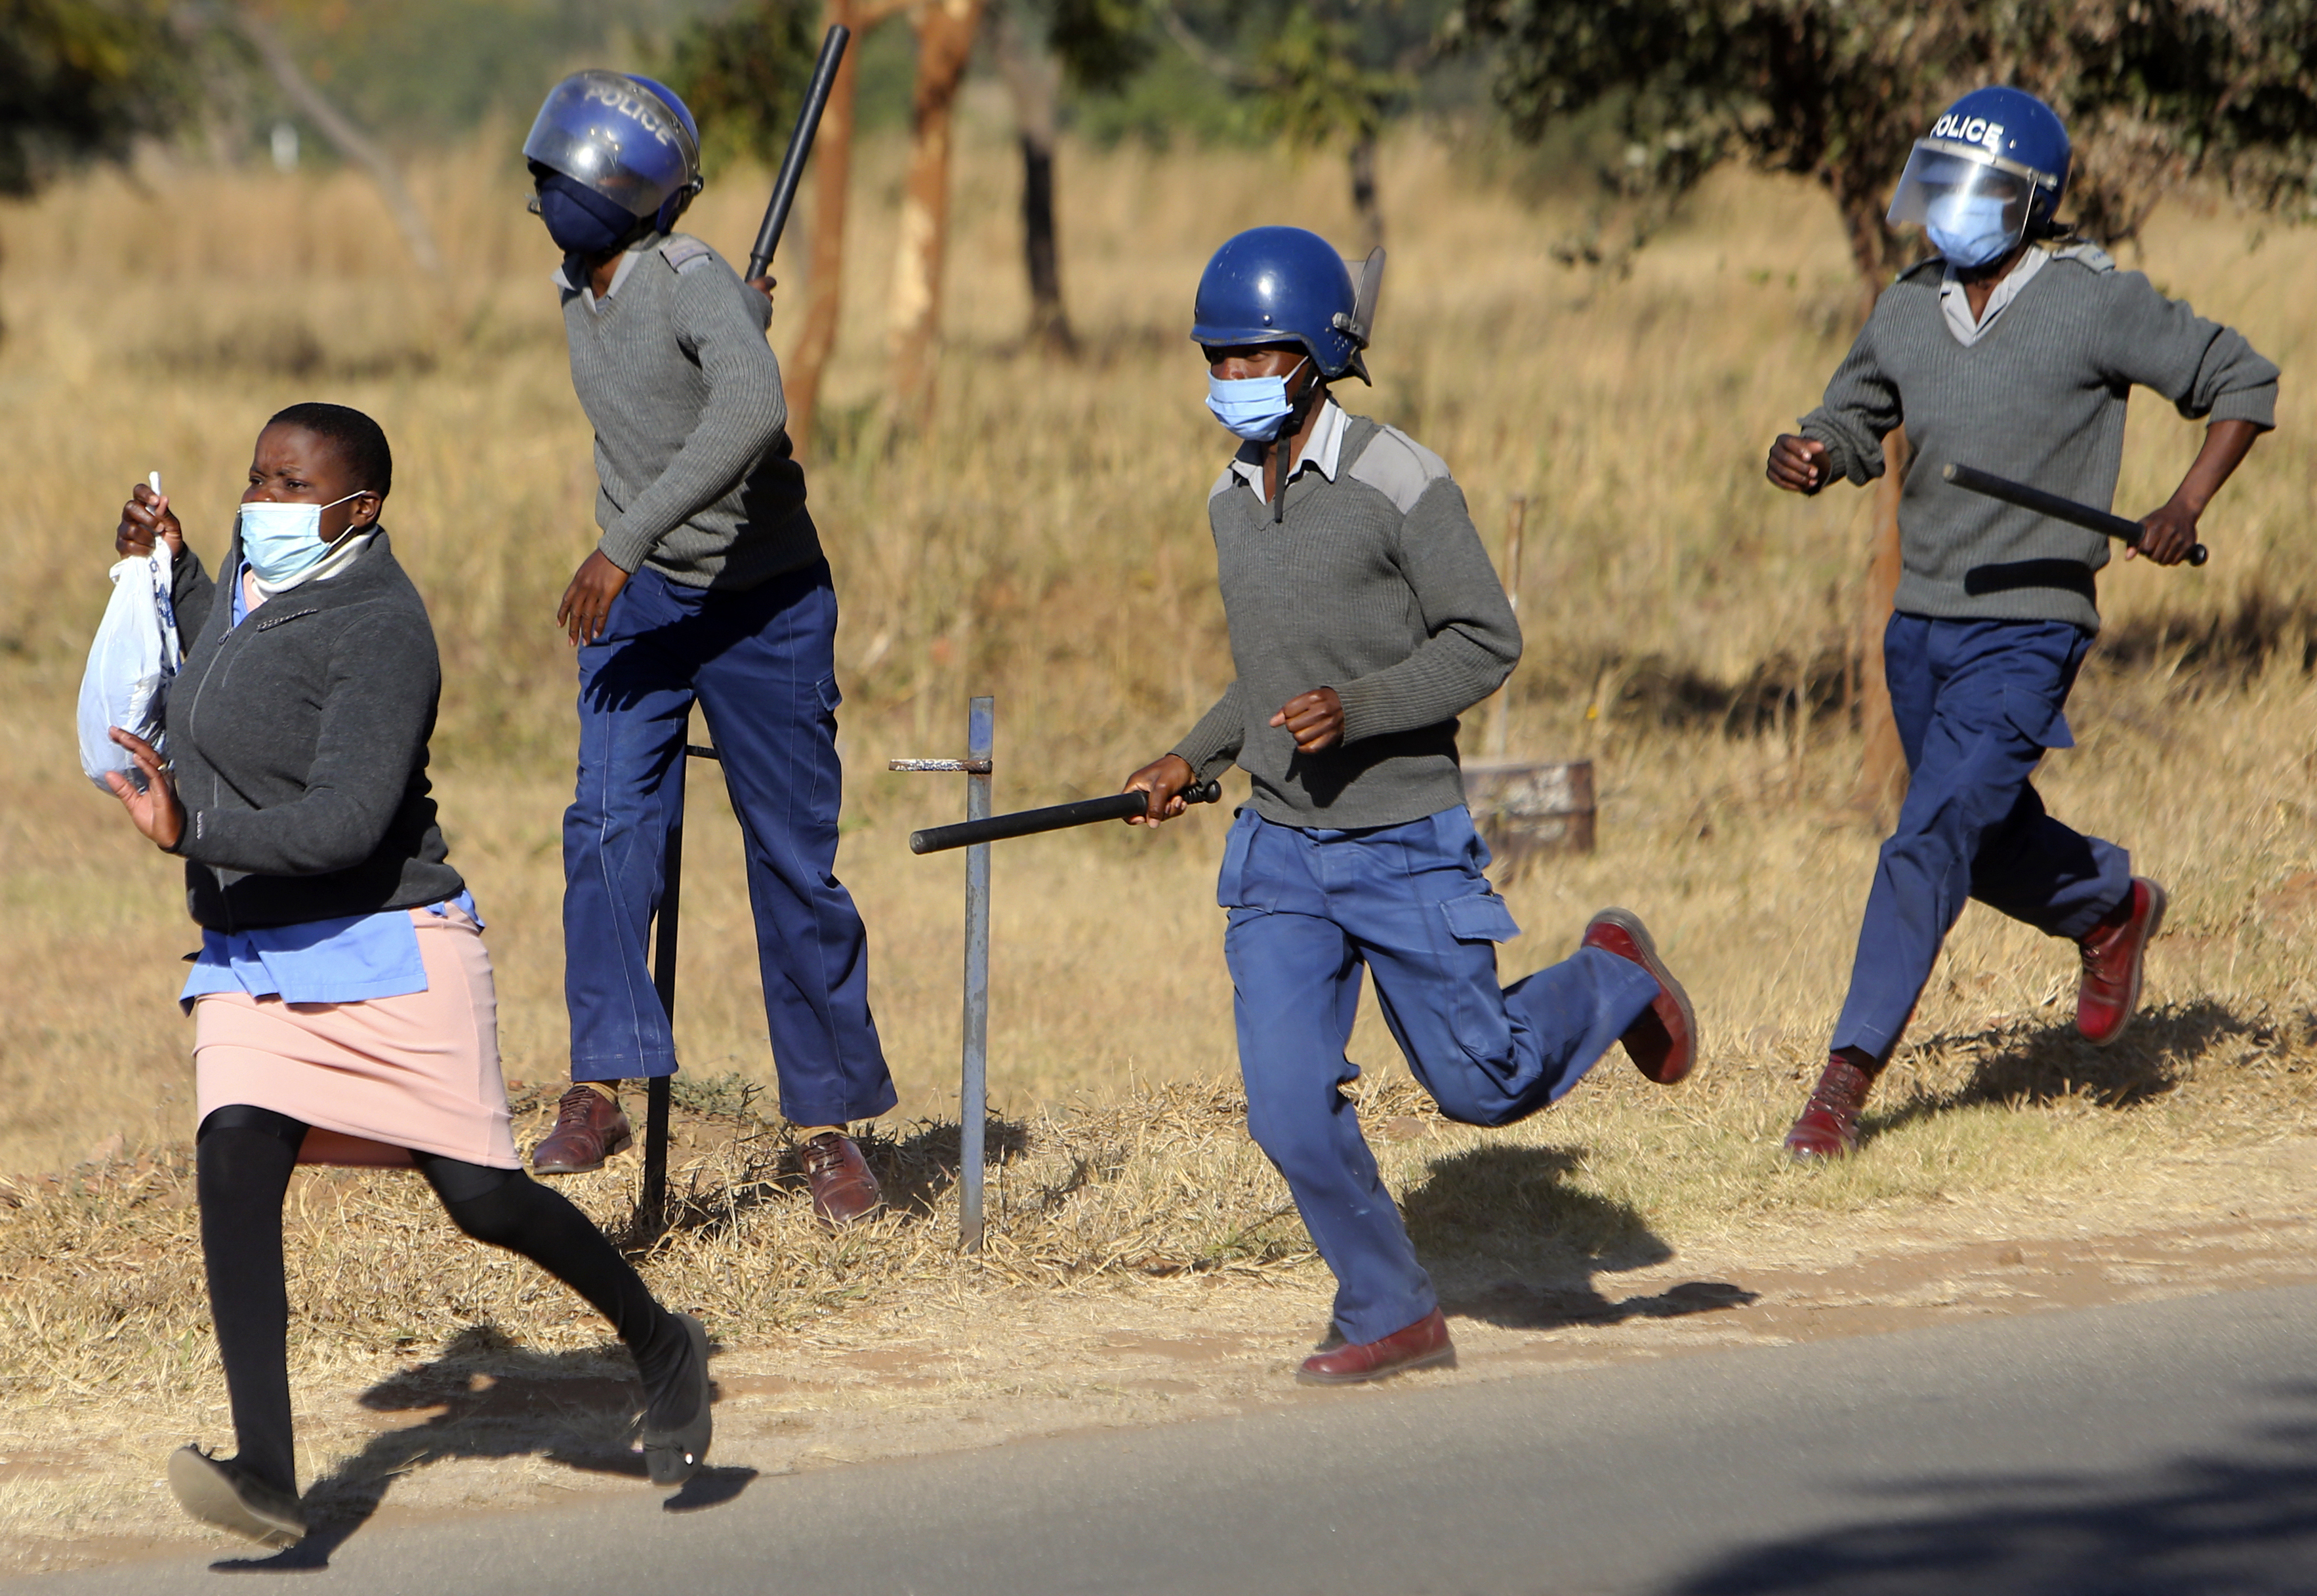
<point x="1525" y="810"/>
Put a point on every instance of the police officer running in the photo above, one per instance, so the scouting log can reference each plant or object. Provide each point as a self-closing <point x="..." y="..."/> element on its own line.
<point x="709" y="584"/>
<point x="1365" y="618"/>
<point x="2012" y="351"/>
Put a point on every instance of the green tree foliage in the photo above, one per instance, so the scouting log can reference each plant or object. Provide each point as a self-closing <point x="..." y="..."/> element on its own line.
<point x="744" y="75"/>
<point x="78" y="78"/>
<point x="2155" y="91"/>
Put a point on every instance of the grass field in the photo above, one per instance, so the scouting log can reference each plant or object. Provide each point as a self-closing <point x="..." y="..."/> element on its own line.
<point x="1687" y="629"/>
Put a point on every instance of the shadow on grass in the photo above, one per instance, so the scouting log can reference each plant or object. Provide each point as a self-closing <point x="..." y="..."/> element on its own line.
<point x="916" y="1171"/>
<point x="493" y="1400"/>
<point x="2056" y="1064"/>
<point x="2244" y="1523"/>
<point x="1509" y="1242"/>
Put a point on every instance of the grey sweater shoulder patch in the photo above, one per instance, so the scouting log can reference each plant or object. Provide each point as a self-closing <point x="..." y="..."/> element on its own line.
<point x="2086" y="255"/>
<point x="683" y="251"/>
<point x="1398" y="467"/>
<point x="1224" y="484"/>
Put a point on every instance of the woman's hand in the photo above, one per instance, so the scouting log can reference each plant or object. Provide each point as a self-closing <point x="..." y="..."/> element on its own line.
<point x="147" y="516"/>
<point x="156" y="810"/>
<point x="586" y="606"/>
<point x="1799" y="464"/>
<point x="765" y="285"/>
<point x="1315" y="720"/>
<point x="1163" y="779"/>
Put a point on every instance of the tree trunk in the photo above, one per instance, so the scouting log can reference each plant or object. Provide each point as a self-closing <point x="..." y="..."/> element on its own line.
<point x="1031" y="77"/>
<point x="832" y="176"/>
<point x="1882" y="772"/>
<point x="1364" y="192"/>
<point x="946" y="29"/>
<point x="351" y="142"/>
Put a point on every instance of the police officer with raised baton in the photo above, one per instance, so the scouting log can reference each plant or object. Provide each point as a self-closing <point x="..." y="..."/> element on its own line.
<point x="2010" y="351"/>
<point x="709" y="584"/>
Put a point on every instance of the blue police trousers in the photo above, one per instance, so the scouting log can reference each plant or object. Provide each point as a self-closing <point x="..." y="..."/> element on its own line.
<point x="762" y="664"/>
<point x="1977" y="703"/>
<point x="1308" y="909"/>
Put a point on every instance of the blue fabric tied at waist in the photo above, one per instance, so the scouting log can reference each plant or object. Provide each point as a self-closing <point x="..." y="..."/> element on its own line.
<point x="346" y="960"/>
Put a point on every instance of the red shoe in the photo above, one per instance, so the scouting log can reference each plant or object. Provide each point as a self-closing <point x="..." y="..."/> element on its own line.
<point x="843" y="1188"/>
<point x="1663" y="1043"/>
<point x="2116" y="955"/>
<point x="589" y="1127"/>
<point x="1422" y="1345"/>
<point x="1829" y="1125"/>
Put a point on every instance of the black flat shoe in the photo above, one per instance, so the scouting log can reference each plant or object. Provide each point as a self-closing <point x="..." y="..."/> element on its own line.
<point x="217" y="1492"/>
<point x="675" y="1448"/>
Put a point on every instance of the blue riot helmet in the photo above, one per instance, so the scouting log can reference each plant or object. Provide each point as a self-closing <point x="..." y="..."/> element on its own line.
<point x="1285" y="285"/>
<point x="1991" y="170"/>
<point x="620" y="139"/>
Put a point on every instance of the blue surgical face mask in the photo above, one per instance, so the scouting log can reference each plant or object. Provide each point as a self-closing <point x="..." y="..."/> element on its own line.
<point x="1251" y="406"/>
<point x="1969" y="230"/>
<point x="581" y="221"/>
<point x="283" y="541"/>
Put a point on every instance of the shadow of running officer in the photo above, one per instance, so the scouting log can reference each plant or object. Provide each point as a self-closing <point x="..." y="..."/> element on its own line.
<point x="708" y="584"/>
<point x="1365" y="618"/>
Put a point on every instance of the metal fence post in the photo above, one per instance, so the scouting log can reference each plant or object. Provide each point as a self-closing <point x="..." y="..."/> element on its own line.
<point x="973" y="1086"/>
<point x="671" y="904"/>
<point x="973" y="1095"/>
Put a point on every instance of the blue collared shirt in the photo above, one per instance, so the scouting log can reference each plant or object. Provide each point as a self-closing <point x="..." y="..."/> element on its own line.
<point x="346" y="960"/>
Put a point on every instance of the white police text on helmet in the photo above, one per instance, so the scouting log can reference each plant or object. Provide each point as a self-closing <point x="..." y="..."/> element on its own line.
<point x="632" y="107"/>
<point x="1969" y="130"/>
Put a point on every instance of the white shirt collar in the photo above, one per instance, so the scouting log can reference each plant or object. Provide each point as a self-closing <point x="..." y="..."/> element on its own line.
<point x="562" y="276"/>
<point x="1955" y="301"/>
<point x="1321" y="452"/>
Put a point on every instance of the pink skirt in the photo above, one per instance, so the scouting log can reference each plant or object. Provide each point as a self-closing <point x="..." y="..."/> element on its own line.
<point x="376" y="1079"/>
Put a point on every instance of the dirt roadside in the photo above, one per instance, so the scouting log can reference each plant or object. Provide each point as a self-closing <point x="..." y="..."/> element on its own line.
<point x="487" y="1426"/>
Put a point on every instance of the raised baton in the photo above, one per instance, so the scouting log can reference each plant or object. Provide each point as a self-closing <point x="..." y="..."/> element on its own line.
<point x="1058" y="817"/>
<point x="808" y="124"/>
<point x="1972" y="480"/>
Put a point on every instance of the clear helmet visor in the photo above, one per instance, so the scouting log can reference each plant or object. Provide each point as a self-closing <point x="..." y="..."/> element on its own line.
<point x="599" y="128"/>
<point x="1968" y="204"/>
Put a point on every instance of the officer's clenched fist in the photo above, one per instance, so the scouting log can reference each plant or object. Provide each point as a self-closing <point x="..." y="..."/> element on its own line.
<point x="1799" y="464"/>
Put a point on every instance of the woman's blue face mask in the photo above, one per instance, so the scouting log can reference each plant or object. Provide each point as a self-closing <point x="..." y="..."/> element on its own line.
<point x="1252" y="408"/>
<point x="284" y="540"/>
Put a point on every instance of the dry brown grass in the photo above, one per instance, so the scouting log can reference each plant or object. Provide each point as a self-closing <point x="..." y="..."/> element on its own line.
<point x="1687" y="628"/>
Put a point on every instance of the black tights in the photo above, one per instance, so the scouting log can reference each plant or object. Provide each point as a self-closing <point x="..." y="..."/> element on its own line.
<point x="243" y="1160"/>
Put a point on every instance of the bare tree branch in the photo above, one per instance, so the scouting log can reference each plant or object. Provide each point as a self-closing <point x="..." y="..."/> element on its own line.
<point x="351" y="142"/>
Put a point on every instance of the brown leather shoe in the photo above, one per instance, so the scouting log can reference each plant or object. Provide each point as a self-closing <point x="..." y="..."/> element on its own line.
<point x="843" y="1188"/>
<point x="589" y="1127"/>
<point x="1828" y="1124"/>
<point x="1424" y="1344"/>
<point x="1663" y="1043"/>
<point x="2116" y="955"/>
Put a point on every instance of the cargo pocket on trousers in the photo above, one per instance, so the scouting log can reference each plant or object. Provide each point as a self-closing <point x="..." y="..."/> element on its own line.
<point x="825" y="691"/>
<point x="1481" y="918"/>
<point x="2038" y="720"/>
<point x="1231" y="881"/>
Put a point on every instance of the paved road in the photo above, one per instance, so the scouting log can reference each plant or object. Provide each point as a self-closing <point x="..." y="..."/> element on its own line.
<point x="2158" y="1449"/>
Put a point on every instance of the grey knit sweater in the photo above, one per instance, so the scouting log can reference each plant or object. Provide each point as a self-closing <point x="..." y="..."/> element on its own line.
<point x="692" y="455"/>
<point x="1376" y="584"/>
<point x="2039" y="399"/>
<point x="298" y="740"/>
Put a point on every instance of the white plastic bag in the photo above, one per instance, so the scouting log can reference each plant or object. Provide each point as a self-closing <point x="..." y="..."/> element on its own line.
<point x="129" y="665"/>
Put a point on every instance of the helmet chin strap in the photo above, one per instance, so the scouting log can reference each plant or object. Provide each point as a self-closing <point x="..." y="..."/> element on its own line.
<point x="1288" y="428"/>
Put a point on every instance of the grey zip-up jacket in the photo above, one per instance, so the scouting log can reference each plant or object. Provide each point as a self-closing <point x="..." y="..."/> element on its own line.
<point x="298" y="740"/>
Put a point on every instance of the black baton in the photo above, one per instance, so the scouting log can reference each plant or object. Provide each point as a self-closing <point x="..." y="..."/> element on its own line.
<point x="808" y="124"/>
<point x="1060" y="817"/>
<point x="2060" y="509"/>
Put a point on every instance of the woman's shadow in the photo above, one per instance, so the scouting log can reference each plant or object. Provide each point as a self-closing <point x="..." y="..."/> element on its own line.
<point x="495" y="1400"/>
<point x="1508" y="1241"/>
